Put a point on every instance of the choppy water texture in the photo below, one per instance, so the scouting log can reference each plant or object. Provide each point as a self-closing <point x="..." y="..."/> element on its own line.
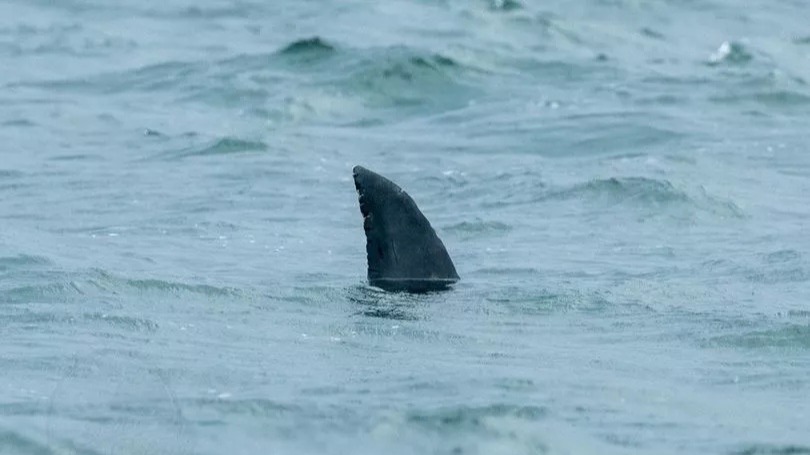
<point x="623" y="186"/>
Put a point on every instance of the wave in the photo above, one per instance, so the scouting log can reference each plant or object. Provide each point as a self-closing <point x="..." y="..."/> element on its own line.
<point x="637" y="189"/>
<point x="368" y="87"/>
<point x="652" y="196"/>
<point x="308" y="80"/>
<point x="51" y="286"/>
<point x="507" y="428"/>
<point x="731" y="53"/>
<point x="404" y="78"/>
<point x="309" y="46"/>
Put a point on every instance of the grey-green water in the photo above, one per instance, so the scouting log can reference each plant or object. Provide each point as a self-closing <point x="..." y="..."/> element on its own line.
<point x="623" y="186"/>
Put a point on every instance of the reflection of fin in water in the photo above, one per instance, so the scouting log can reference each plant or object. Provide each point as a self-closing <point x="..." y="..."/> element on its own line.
<point x="404" y="252"/>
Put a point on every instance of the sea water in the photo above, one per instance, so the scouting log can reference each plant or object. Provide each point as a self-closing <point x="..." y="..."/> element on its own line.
<point x="623" y="185"/>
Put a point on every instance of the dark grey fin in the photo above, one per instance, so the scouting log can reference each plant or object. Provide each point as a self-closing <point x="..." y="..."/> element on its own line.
<point x="404" y="252"/>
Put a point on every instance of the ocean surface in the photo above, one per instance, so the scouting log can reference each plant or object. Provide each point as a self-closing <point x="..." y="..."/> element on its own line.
<point x="624" y="187"/>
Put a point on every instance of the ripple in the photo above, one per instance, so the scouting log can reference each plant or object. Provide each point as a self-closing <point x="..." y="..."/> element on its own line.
<point x="567" y="135"/>
<point x="223" y="146"/>
<point x="767" y="449"/>
<point x="498" y="428"/>
<point x="231" y="11"/>
<point x="793" y="336"/>
<point x="474" y="418"/>
<point x="772" y="98"/>
<point x="640" y="189"/>
<point x="22" y="261"/>
<point x="10" y="174"/>
<point x="505" y="5"/>
<point x="781" y="256"/>
<point x="20" y="123"/>
<point x="14" y="442"/>
<point x="478" y="228"/>
<point x="64" y="287"/>
<point x="513" y="271"/>
<point x="175" y="287"/>
<point x="35" y="319"/>
<point x="124" y="322"/>
<point x="520" y="299"/>
<point x="652" y="33"/>
<point x="378" y="304"/>
<point x="249" y="407"/>
<point x="59" y="291"/>
<point x="784" y="275"/>
<point x="20" y="409"/>
<point x="63" y="39"/>
<point x="401" y="64"/>
<point x="169" y="76"/>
